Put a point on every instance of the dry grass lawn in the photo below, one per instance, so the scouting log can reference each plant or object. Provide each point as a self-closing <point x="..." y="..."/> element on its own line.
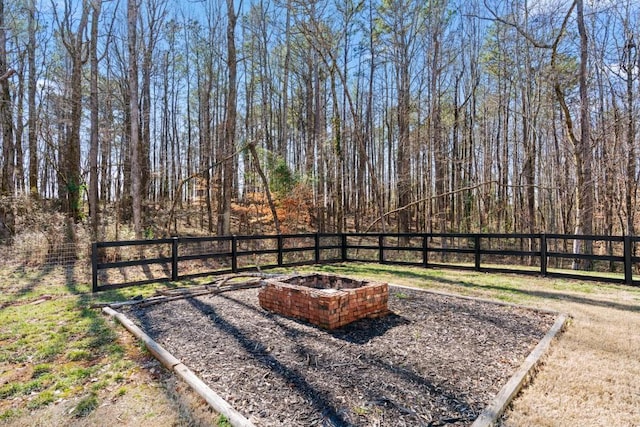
<point x="591" y="376"/>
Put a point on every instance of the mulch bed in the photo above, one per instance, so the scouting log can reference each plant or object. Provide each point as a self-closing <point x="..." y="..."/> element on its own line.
<point x="436" y="360"/>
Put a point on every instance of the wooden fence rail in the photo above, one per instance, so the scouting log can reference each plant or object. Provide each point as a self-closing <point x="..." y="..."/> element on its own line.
<point x="613" y="258"/>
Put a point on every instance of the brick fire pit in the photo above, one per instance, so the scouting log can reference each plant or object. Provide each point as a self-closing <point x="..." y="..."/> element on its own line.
<point x="325" y="300"/>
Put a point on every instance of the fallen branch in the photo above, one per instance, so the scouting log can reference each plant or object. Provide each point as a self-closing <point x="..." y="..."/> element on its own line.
<point x="215" y="287"/>
<point x="178" y="191"/>
<point x="213" y="291"/>
<point x="448" y="193"/>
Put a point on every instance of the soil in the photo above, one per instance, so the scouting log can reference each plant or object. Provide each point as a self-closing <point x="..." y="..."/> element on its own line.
<point x="435" y="360"/>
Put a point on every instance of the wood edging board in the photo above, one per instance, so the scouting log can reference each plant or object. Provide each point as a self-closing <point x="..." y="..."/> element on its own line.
<point x="489" y="416"/>
<point x="491" y="413"/>
<point x="173" y="364"/>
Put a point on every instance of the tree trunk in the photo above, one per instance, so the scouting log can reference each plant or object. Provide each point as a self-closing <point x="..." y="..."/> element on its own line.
<point x="31" y="101"/>
<point x="283" y="141"/>
<point x="404" y="150"/>
<point x="7" y="221"/>
<point x="93" y="137"/>
<point x="19" y="127"/>
<point x="74" y="43"/>
<point x="584" y="154"/>
<point x="439" y="145"/>
<point x="228" y="143"/>
<point x="631" y="183"/>
<point x="134" y="131"/>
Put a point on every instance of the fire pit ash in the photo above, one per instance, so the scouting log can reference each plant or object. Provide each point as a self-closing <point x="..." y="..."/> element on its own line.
<point x="326" y="300"/>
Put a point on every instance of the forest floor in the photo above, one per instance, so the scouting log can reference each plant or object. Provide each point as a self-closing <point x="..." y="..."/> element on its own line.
<point x="64" y="364"/>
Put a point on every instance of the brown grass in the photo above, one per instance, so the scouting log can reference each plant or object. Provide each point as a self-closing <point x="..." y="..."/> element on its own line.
<point x="591" y="375"/>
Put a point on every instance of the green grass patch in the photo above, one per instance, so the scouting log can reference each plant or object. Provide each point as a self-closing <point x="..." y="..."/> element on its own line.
<point x="76" y="374"/>
<point x="42" y="399"/>
<point x="69" y="347"/>
<point x="40" y="370"/>
<point x="86" y="405"/>
<point x="37" y="384"/>
<point x="48" y="349"/>
<point x="401" y="295"/>
<point x="222" y="421"/>
<point x="77" y="354"/>
<point x="361" y="410"/>
<point x="9" y="413"/>
<point x="9" y="389"/>
<point x="100" y="385"/>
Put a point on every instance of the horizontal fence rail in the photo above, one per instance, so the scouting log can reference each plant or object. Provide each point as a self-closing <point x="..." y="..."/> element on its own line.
<point x="610" y="258"/>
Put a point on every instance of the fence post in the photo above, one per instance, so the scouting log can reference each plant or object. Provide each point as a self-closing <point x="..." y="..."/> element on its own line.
<point x="543" y="254"/>
<point x="343" y="246"/>
<point x="381" y="249"/>
<point x="94" y="267"/>
<point x="425" y="251"/>
<point x="476" y="246"/>
<point x="174" y="259"/>
<point x="280" y="245"/>
<point x="234" y="254"/>
<point x="316" y="248"/>
<point x="628" y="262"/>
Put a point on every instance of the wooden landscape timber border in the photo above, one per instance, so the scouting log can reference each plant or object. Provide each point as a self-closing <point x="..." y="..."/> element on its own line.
<point x="489" y="416"/>
<point x="529" y="367"/>
<point x="313" y="254"/>
<point x="236" y="419"/>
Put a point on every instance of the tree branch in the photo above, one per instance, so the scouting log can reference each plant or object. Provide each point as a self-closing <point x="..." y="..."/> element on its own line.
<point x="6" y="76"/>
<point x="178" y="190"/>
<point x="401" y="208"/>
<point x="449" y="193"/>
<point x="265" y="183"/>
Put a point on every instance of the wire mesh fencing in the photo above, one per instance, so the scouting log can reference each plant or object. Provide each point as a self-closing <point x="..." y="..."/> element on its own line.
<point x="38" y="250"/>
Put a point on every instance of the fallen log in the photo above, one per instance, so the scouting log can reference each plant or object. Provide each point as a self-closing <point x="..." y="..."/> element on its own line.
<point x="213" y="288"/>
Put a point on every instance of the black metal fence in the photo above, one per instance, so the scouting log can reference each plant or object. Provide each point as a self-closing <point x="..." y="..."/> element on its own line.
<point x="179" y="258"/>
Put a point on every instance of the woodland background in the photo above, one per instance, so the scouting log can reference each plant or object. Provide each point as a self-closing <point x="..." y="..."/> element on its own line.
<point x="147" y="118"/>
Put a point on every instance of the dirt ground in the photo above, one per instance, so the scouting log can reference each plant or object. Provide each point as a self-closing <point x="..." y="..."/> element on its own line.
<point x="435" y="361"/>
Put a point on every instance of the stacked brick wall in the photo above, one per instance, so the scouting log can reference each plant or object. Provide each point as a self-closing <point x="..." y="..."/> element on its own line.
<point x="328" y="307"/>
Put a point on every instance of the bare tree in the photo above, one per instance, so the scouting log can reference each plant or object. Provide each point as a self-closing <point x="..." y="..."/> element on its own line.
<point x="31" y="100"/>
<point x="400" y="22"/>
<point x="94" y="108"/>
<point x="630" y="62"/>
<point x="228" y="142"/>
<point x="583" y="153"/>
<point x="151" y="25"/>
<point x="74" y="41"/>
<point x="6" y="123"/>
<point x="134" y="113"/>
